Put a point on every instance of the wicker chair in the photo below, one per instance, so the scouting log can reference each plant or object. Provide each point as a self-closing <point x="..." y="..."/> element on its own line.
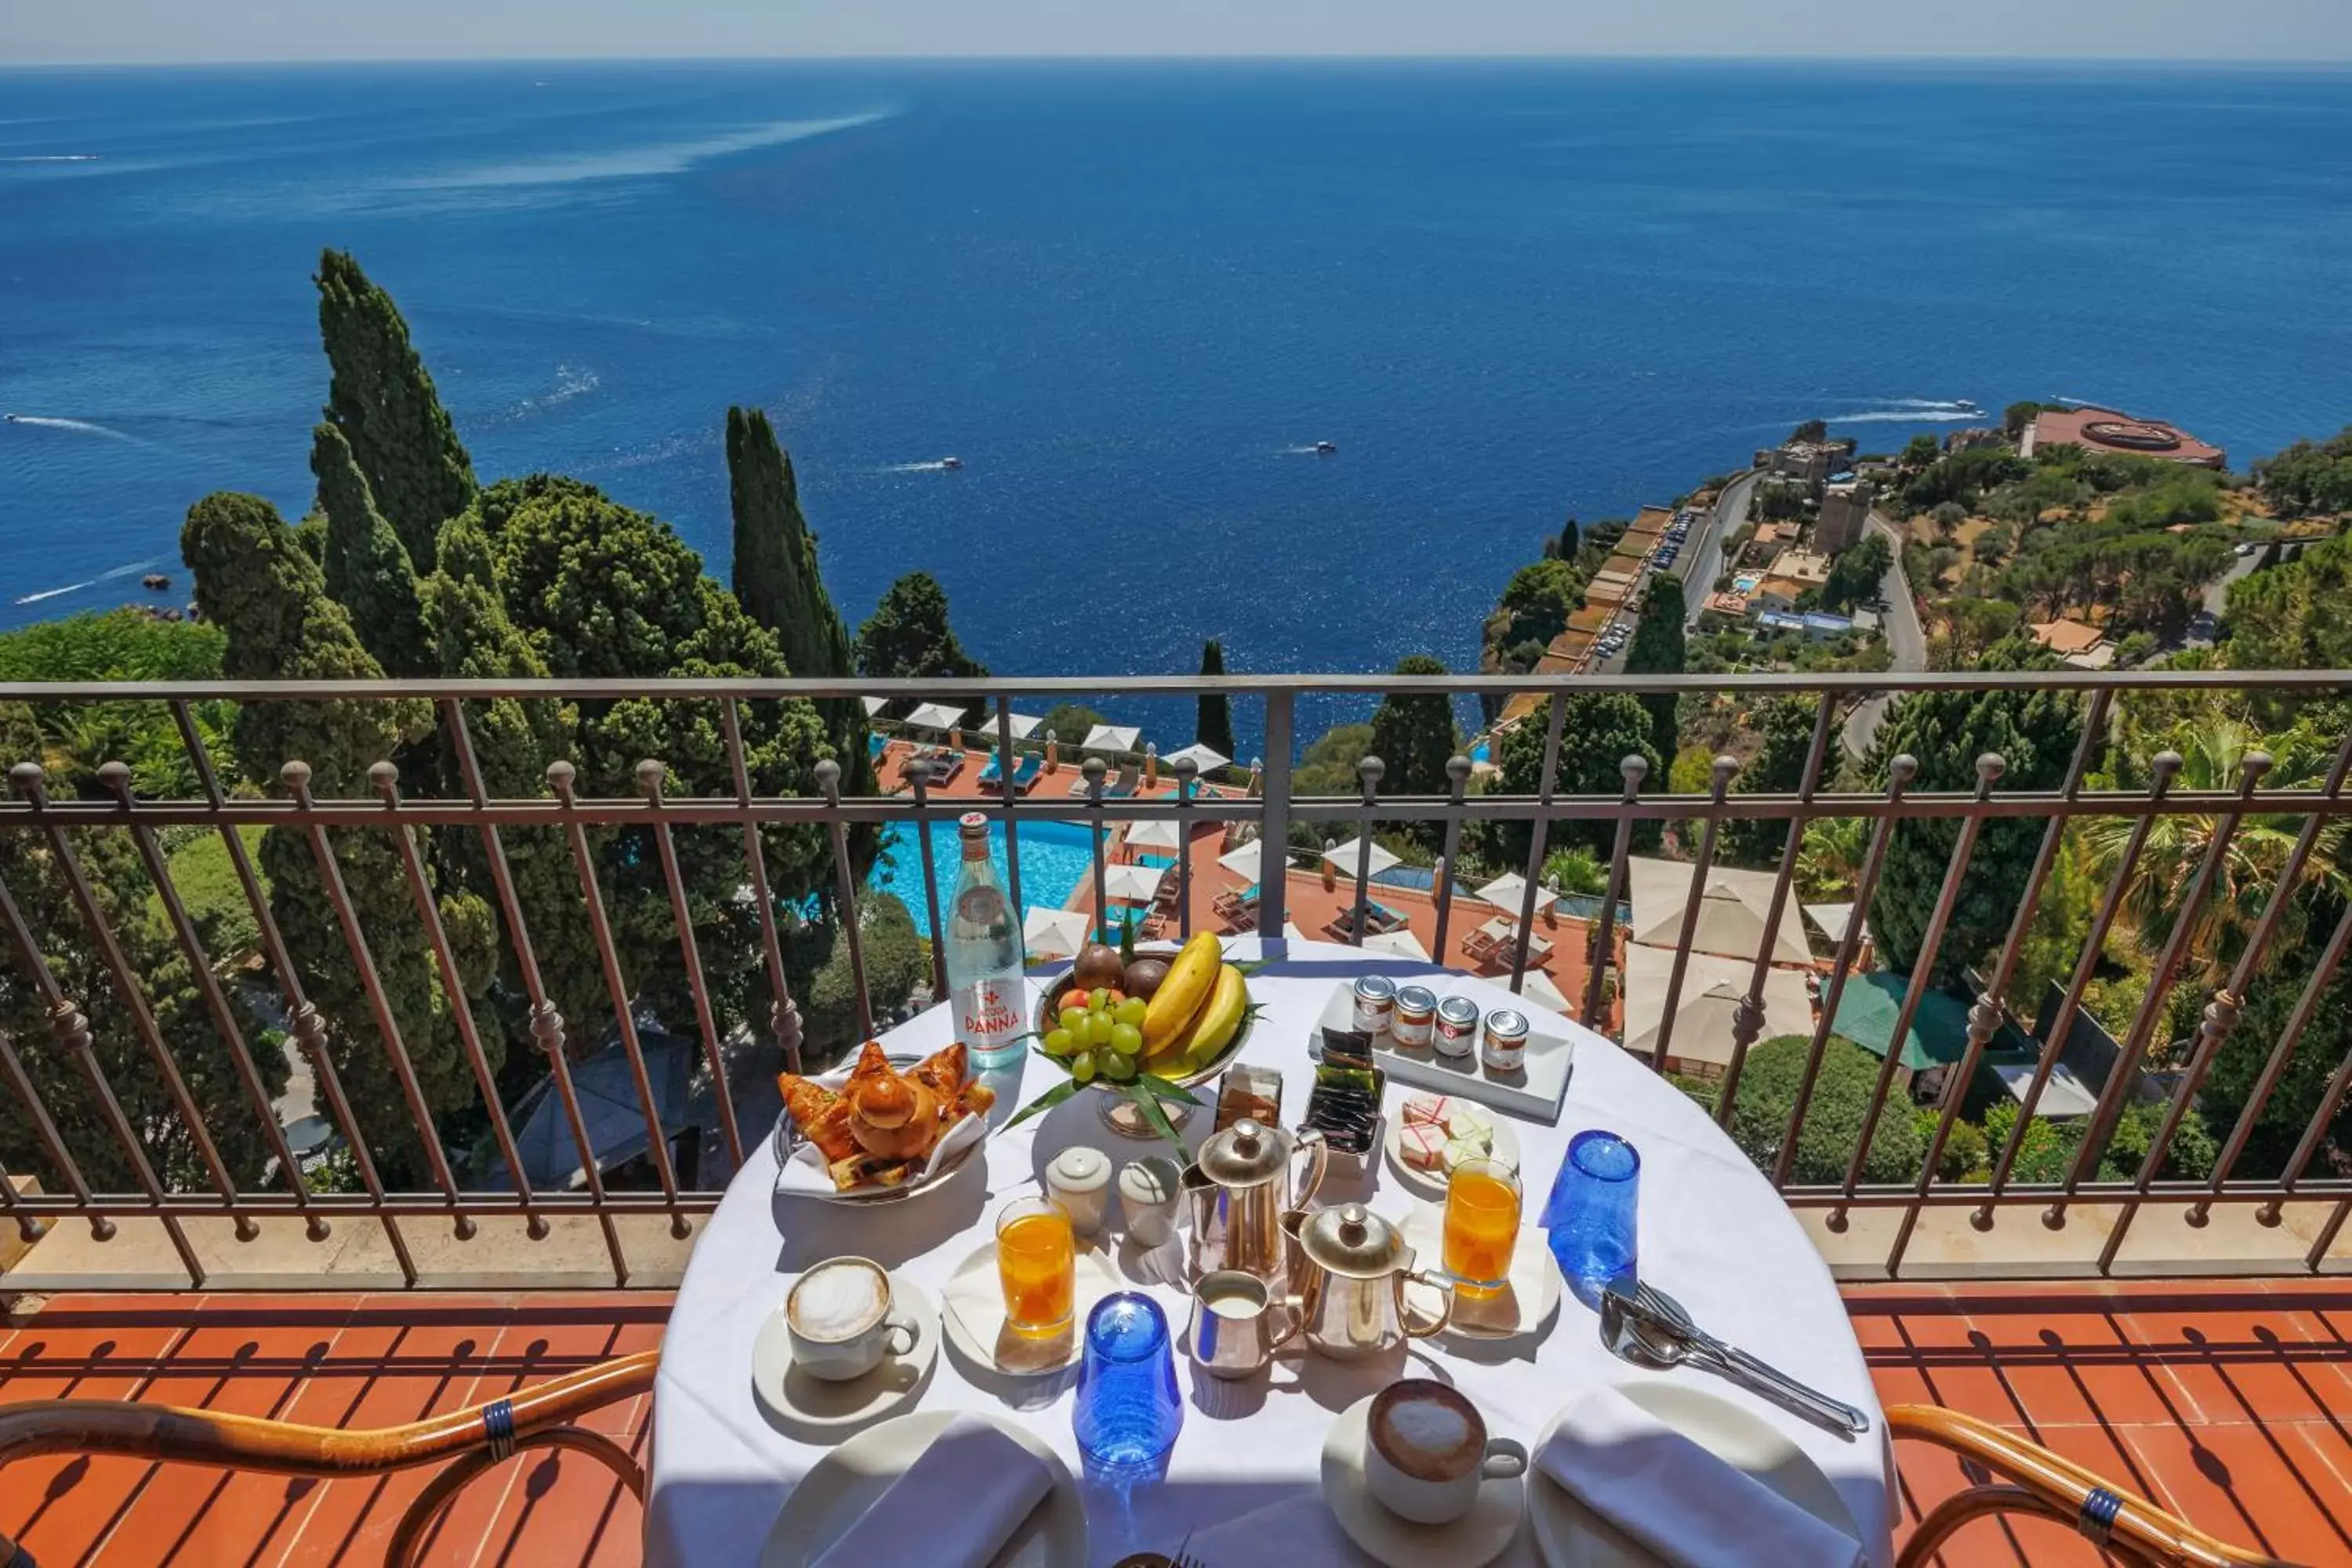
<point x="2036" y="1482"/>
<point x="475" y="1439"/>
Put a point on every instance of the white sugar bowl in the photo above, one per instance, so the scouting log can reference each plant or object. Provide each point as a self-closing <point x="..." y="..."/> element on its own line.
<point x="1079" y="1180"/>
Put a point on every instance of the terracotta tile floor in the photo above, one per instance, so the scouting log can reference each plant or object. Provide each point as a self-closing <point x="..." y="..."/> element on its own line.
<point x="325" y="1361"/>
<point x="2229" y="1402"/>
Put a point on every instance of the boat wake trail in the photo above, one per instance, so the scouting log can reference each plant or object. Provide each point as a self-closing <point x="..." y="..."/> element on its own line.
<point x="1908" y="416"/>
<point x="933" y="467"/>
<point x="570" y="381"/>
<point x="87" y="582"/>
<point x="79" y="427"/>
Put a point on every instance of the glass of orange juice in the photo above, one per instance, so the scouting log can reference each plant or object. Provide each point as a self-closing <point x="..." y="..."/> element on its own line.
<point x="1037" y="1264"/>
<point x="1482" y="1227"/>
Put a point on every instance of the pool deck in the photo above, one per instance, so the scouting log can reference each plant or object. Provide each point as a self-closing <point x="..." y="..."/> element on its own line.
<point x="1315" y="900"/>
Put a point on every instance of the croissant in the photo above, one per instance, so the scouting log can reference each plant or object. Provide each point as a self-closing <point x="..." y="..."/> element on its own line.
<point x="894" y="1119"/>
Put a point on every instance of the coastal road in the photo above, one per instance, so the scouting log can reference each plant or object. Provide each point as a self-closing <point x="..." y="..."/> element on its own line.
<point x="1906" y="645"/>
<point x="2202" y="625"/>
<point x="1707" y="559"/>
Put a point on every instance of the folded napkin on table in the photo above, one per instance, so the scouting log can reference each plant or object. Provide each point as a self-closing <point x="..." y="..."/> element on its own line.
<point x="955" y="1506"/>
<point x="1681" y="1501"/>
<point x="1298" y="1530"/>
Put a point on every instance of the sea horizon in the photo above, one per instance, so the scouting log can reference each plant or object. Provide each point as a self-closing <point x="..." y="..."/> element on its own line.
<point x="1129" y="293"/>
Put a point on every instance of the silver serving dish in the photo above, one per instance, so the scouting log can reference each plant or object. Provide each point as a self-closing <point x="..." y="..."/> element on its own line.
<point x="787" y="1139"/>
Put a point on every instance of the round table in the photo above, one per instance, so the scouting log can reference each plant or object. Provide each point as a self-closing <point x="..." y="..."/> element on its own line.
<point x="1713" y="1231"/>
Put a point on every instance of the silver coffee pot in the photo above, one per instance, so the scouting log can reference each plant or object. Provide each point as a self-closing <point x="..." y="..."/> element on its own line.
<point x="1237" y="1191"/>
<point x="1347" y="1272"/>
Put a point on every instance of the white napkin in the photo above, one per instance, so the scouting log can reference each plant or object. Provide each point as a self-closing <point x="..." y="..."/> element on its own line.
<point x="805" y="1171"/>
<point x="955" y="1506"/>
<point x="1296" y="1530"/>
<point x="1681" y="1501"/>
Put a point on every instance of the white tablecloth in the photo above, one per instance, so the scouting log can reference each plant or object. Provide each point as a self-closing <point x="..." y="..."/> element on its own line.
<point x="1711" y="1231"/>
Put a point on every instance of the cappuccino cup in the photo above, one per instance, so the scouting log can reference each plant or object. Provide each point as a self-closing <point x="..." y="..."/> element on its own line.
<point x="1426" y="1451"/>
<point x="838" y="1317"/>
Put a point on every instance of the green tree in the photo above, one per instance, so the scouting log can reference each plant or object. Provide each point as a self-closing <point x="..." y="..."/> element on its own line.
<point x="271" y="600"/>
<point x="1538" y="599"/>
<point x="2035" y="734"/>
<point x="1215" y="726"/>
<point x="79" y="738"/>
<point x="2303" y="1084"/>
<point x="1833" y="1116"/>
<point x="2212" y="755"/>
<point x="1071" y="723"/>
<point x="2309" y="477"/>
<point x="367" y="569"/>
<point x="1810" y="430"/>
<point x="779" y="586"/>
<point x="1856" y="574"/>
<point x="1657" y="649"/>
<point x="1328" y="767"/>
<point x="1599" y="732"/>
<point x="1922" y="449"/>
<point x="1785" y="725"/>
<point x="382" y="401"/>
<point x="1414" y="735"/>
<point x="908" y="637"/>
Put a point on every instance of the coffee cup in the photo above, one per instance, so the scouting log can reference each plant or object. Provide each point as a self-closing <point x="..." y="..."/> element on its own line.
<point x="838" y="1317"/>
<point x="1426" y="1451"/>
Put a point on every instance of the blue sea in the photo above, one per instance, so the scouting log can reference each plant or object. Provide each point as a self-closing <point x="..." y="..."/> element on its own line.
<point x="1131" y="297"/>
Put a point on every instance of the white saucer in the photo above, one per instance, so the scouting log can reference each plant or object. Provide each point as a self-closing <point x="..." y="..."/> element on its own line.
<point x="796" y="1399"/>
<point x="1530" y="1301"/>
<point x="1431" y="1183"/>
<point x="844" y="1483"/>
<point x="974" y="1315"/>
<point x="1477" y="1537"/>
<point x="1570" y="1535"/>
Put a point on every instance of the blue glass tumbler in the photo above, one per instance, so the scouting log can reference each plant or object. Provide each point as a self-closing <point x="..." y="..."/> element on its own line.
<point x="1591" y="1214"/>
<point x="1128" y="1412"/>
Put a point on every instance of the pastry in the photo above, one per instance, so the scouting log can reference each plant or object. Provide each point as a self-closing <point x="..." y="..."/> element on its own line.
<point x="1420" y="1146"/>
<point x="1426" y="1107"/>
<point x="878" y="1128"/>
<point x="1463" y="1120"/>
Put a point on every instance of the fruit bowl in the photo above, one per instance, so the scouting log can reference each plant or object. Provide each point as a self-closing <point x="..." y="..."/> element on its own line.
<point x="1189" y="1016"/>
<point x="1049" y="1013"/>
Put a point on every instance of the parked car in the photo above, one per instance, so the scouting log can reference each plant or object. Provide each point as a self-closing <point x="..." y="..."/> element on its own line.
<point x="2247" y="547"/>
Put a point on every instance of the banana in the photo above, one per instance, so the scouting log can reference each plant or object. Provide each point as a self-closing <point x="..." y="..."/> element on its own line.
<point x="1220" y="1017"/>
<point x="1191" y="979"/>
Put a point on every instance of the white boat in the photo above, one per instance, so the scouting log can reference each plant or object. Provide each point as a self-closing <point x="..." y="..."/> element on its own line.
<point x="1325" y="448"/>
<point x="950" y="462"/>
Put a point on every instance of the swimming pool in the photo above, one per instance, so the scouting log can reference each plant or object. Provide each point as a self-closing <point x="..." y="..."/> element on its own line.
<point x="1056" y="857"/>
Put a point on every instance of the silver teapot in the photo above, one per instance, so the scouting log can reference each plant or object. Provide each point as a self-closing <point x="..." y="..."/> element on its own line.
<point x="1237" y="1191"/>
<point x="1347" y="1272"/>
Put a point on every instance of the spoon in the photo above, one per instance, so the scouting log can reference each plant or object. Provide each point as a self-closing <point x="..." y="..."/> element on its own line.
<point x="1635" y="1335"/>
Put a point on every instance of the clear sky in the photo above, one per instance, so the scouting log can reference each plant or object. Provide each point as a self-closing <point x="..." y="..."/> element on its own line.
<point x="34" y="31"/>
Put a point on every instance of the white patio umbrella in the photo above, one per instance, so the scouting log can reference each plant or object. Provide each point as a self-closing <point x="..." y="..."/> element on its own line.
<point x="1157" y="833"/>
<point x="1113" y="738"/>
<point x="1704" y="1012"/>
<point x="1290" y="931"/>
<point x="1245" y="861"/>
<point x="935" y="716"/>
<point x="1055" y="933"/>
<point x="875" y="704"/>
<point x="1023" y="724"/>
<point x="1403" y="943"/>
<point x="1203" y="757"/>
<point x="1732" y="907"/>
<point x="1131" y="884"/>
<point x="1343" y="857"/>
<point x="1538" y="988"/>
<point x="1507" y="891"/>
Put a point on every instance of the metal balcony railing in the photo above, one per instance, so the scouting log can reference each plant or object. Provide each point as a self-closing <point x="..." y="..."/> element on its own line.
<point x="170" y="1157"/>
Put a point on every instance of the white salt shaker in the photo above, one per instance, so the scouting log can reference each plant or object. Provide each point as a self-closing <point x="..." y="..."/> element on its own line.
<point x="1147" y="1194"/>
<point x="1079" y="1180"/>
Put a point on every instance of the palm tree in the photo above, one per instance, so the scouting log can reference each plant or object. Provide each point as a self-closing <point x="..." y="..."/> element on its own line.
<point x="1575" y="871"/>
<point x="1830" y="857"/>
<point x="2213" y="752"/>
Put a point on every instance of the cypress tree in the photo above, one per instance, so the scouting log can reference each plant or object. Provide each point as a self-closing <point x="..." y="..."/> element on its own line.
<point x="1414" y="737"/>
<point x="367" y="569"/>
<point x="1215" y="726"/>
<point x="381" y="399"/>
<point x="780" y="585"/>
<point x="1658" y="650"/>
<point x="259" y="585"/>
